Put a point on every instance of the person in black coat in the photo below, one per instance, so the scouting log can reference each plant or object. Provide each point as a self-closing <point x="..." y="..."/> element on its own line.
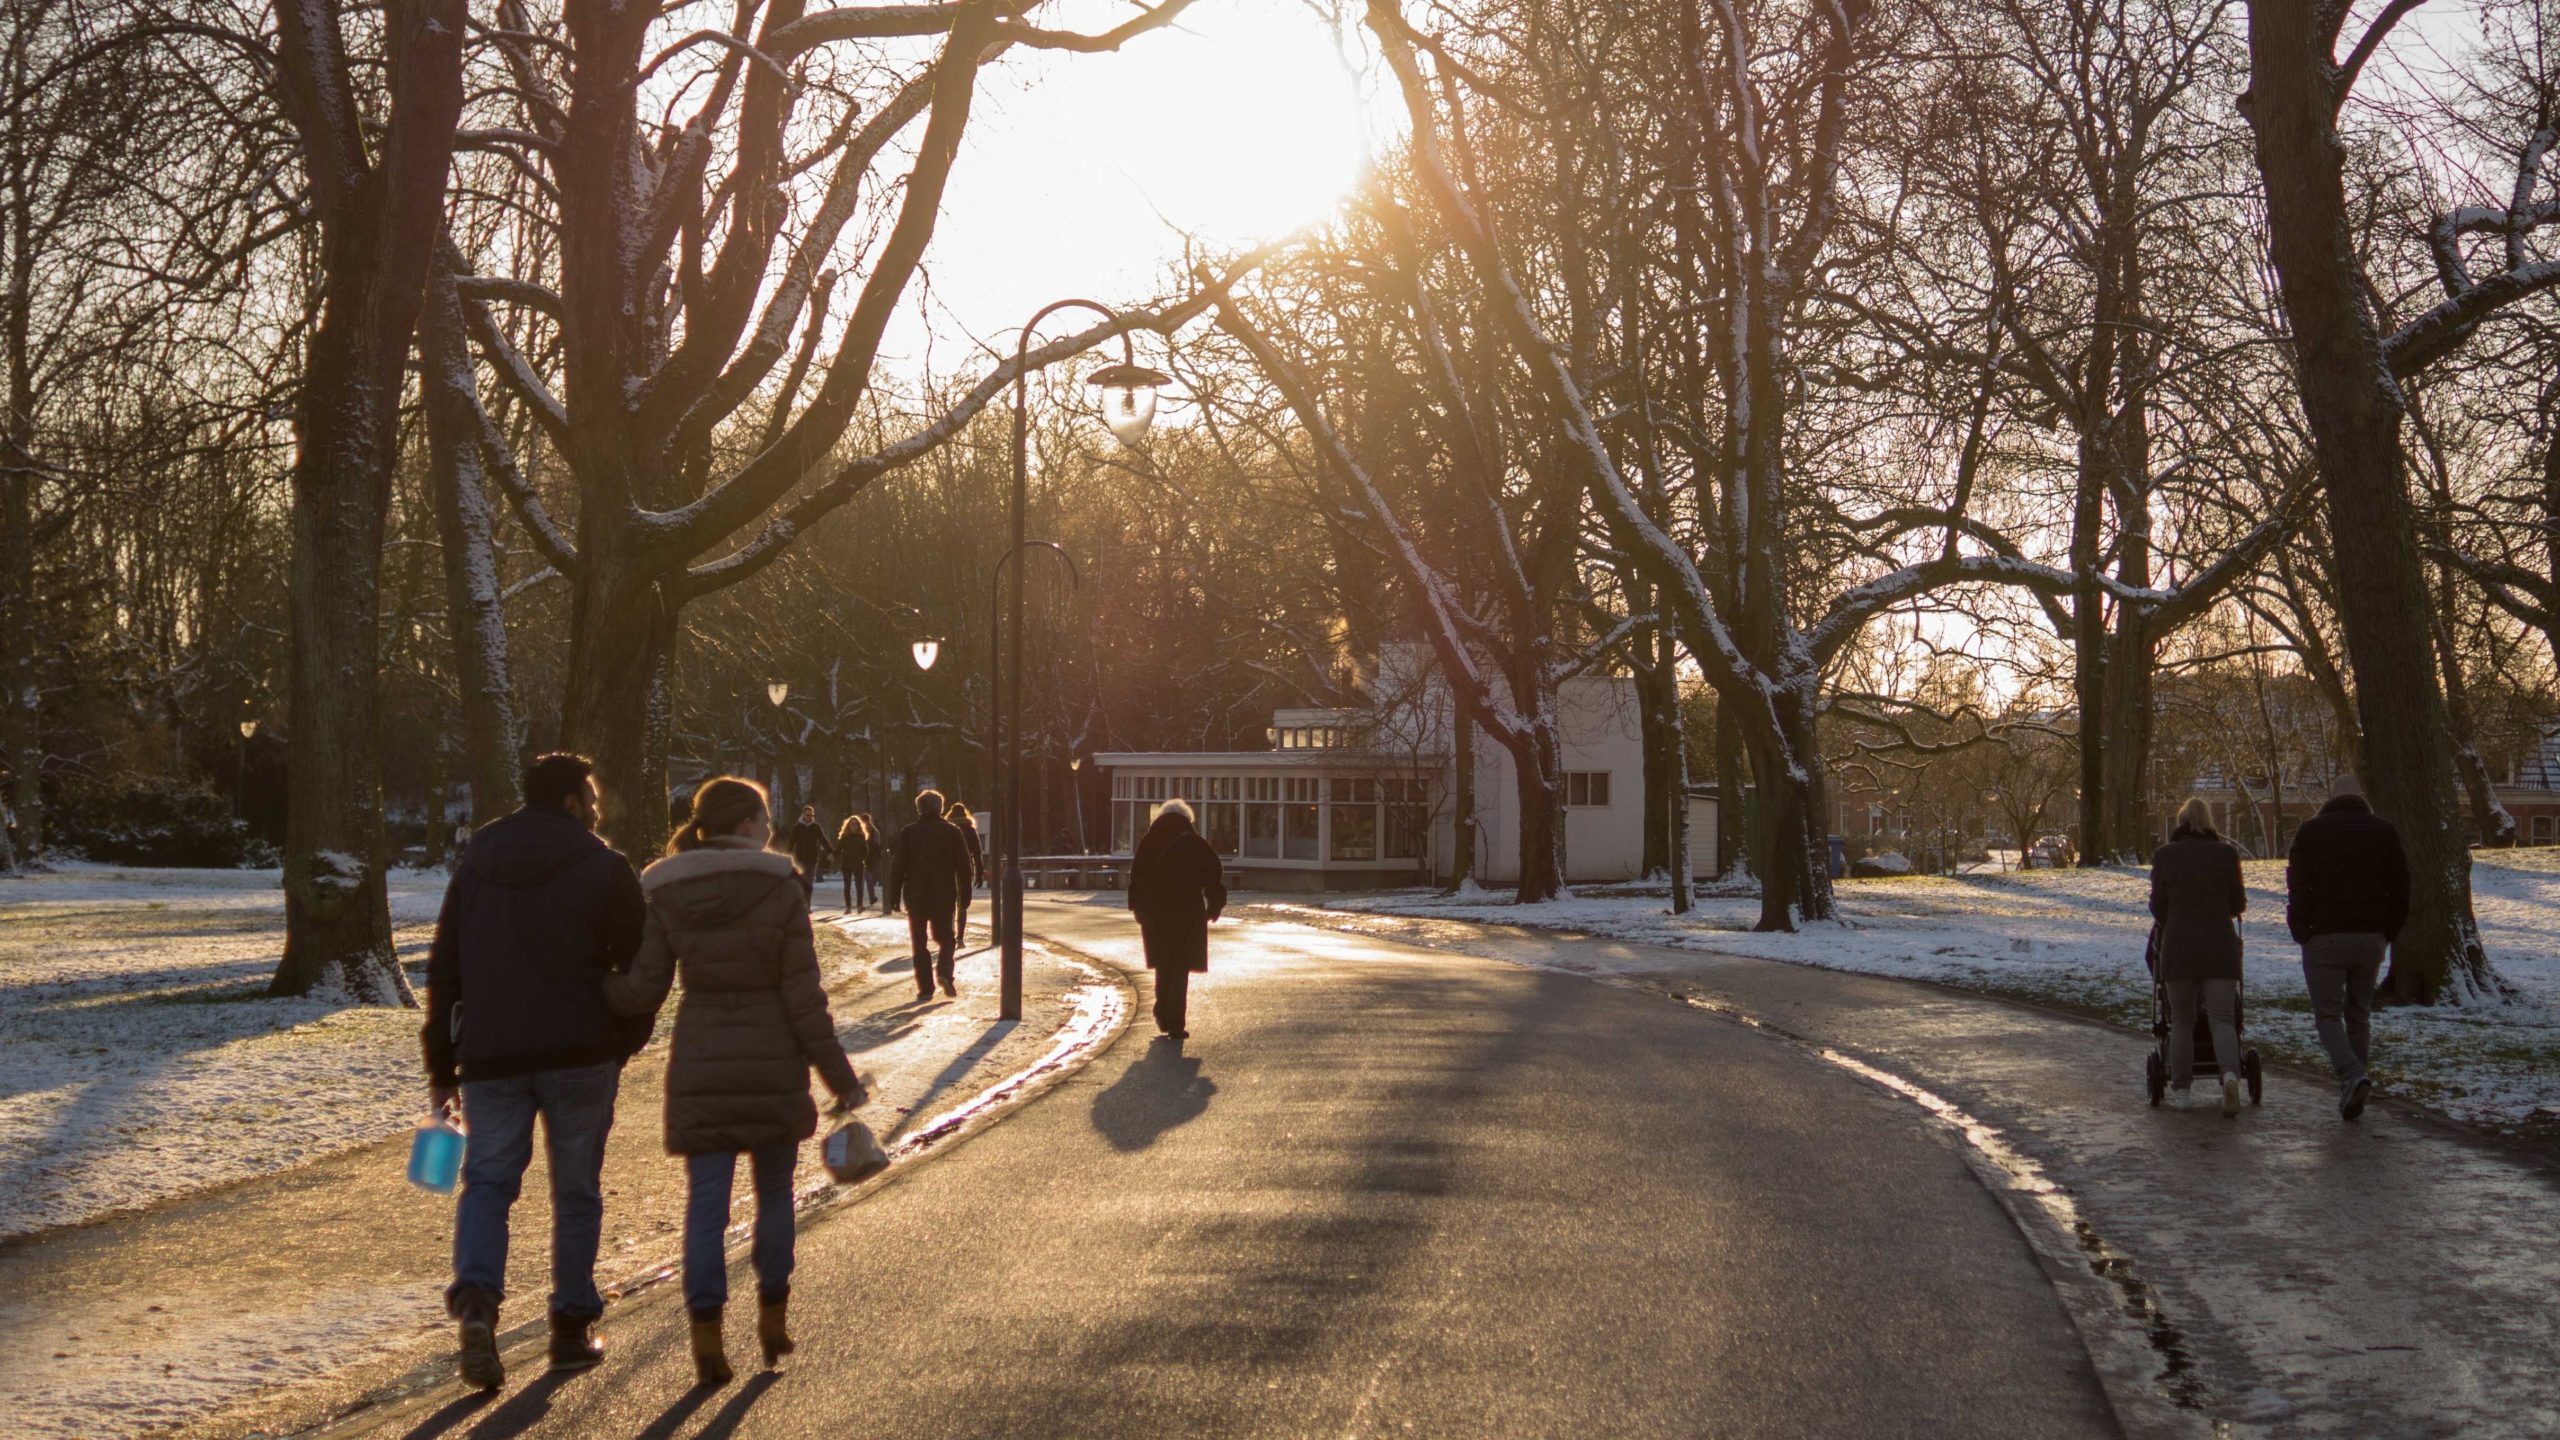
<point x="957" y="812"/>
<point x="1176" y="888"/>
<point x="539" y="912"/>
<point x="2196" y="895"/>
<point x="2346" y="897"/>
<point x="809" y="850"/>
<point x="928" y="868"/>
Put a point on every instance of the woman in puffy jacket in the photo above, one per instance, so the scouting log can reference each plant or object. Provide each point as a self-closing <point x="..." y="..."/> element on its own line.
<point x="727" y="914"/>
<point x="2196" y="895"/>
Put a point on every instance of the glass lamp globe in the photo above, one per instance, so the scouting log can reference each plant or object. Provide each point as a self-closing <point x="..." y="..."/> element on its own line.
<point x="248" y="729"/>
<point x="777" y="692"/>
<point x="1128" y="398"/>
<point x="926" y="652"/>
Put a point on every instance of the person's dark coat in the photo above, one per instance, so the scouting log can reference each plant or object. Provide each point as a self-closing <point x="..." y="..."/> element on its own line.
<point x="968" y="829"/>
<point x="808" y="846"/>
<point x="2346" y="874"/>
<point x="730" y="919"/>
<point x="2196" y="892"/>
<point x="853" y="845"/>
<point x="538" y="912"/>
<point x="928" y="867"/>
<point x="1176" y="887"/>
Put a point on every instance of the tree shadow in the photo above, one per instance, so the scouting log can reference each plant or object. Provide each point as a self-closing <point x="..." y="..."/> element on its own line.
<point x="1161" y="1091"/>
<point x="961" y="1064"/>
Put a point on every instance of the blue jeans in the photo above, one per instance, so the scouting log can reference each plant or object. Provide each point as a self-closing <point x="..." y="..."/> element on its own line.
<point x="576" y="1107"/>
<point x="706" y="1220"/>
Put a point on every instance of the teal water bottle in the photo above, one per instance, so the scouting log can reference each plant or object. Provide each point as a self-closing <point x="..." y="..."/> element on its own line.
<point x="435" y="1156"/>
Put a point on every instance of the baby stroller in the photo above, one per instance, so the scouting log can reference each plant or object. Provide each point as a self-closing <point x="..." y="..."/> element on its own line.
<point x="2156" y="1065"/>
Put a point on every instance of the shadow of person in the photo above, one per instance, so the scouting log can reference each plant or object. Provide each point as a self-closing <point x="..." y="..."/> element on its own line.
<point x="1162" y="1090"/>
<point x="725" y="1423"/>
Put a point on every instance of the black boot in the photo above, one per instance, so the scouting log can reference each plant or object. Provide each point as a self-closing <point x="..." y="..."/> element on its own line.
<point x="572" y="1348"/>
<point x="481" y="1367"/>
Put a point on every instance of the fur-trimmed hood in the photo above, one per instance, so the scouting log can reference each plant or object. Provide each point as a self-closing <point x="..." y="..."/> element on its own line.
<point x="724" y="857"/>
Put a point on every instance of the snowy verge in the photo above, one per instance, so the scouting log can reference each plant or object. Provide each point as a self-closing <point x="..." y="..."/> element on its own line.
<point x="140" y="1057"/>
<point x="2074" y="939"/>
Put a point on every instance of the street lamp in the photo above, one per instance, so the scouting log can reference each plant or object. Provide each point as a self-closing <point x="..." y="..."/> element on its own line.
<point x="1128" y="407"/>
<point x="925" y="652"/>
<point x="240" y="772"/>
<point x="777" y="692"/>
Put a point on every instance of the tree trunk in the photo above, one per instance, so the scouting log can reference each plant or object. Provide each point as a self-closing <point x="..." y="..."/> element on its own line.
<point x="616" y="710"/>
<point x="1656" y="739"/>
<point x="21" y="716"/>
<point x="1733" y="791"/>
<point x="2129" y="830"/>
<point x="1538" y="765"/>
<point x="492" y="738"/>
<point x="1462" y="826"/>
<point x="1676" y="762"/>
<point x="2354" y="409"/>
<point x="2491" y="821"/>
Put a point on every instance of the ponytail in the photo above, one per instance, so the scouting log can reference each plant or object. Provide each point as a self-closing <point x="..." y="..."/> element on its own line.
<point x="720" y="806"/>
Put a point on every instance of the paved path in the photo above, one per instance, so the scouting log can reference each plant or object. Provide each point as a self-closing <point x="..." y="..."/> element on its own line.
<point x="2302" y="1277"/>
<point x="264" y="1303"/>
<point x="1390" y="1192"/>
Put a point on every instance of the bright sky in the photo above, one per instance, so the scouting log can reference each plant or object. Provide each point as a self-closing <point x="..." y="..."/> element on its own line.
<point x="1080" y="171"/>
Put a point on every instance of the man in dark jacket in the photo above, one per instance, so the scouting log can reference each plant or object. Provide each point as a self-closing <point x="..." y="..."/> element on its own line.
<point x="539" y="911"/>
<point x="809" y="850"/>
<point x="2347" y="895"/>
<point x="928" y="868"/>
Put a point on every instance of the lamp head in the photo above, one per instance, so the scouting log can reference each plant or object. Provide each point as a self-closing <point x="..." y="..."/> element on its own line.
<point x="1128" y="398"/>
<point x="777" y="692"/>
<point x="926" y="652"/>
<point x="248" y="729"/>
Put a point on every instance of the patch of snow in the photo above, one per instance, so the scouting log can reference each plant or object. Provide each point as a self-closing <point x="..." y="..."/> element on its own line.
<point x="141" y="1059"/>
<point x="2074" y="938"/>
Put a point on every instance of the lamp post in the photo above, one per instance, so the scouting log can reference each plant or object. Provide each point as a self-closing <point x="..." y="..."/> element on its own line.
<point x="1128" y="407"/>
<point x="240" y="772"/>
<point x="999" y="920"/>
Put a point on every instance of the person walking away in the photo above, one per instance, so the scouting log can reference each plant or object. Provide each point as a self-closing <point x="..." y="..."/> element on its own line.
<point x="2196" y="899"/>
<point x="1176" y="888"/>
<point x="928" y="869"/>
<point x="809" y="850"/>
<point x="853" y="857"/>
<point x="728" y="916"/>
<point x="957" y="812"/>
<point x="2346" y="897"/>
<point x="539" y="912"/>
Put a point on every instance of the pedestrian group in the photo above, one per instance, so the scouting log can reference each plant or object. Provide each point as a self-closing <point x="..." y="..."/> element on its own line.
<point x="552" y="959"/>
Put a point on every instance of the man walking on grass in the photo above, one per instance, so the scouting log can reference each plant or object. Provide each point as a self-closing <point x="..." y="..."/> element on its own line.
<point x="928" y="869"/>
<point x="2347" y="895"/>
<point x="538" y="912"/>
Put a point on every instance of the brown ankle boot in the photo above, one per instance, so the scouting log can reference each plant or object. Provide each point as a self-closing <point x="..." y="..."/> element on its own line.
<point x="710" y="1365"/>
<point x="771" y="1318"/>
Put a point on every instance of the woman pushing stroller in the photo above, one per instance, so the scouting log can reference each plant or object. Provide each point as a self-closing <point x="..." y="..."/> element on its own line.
<point x="2197" y="898"/>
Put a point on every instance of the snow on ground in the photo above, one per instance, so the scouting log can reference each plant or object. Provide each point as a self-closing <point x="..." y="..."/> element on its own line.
<point x="2074" y="938"/>
<point x="140" y="1057"/>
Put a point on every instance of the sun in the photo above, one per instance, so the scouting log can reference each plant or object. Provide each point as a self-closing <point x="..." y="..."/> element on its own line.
<point x="1081" y="174"/>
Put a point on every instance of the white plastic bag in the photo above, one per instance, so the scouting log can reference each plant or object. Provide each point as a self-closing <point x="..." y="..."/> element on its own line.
<point x="852" y="1153"/>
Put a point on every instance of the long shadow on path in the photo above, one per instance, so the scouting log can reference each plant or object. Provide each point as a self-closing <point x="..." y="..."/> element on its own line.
<point x="1161" y="1091"/>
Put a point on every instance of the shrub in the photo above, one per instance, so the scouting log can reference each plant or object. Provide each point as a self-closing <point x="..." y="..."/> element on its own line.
<point x="154" y="822"/>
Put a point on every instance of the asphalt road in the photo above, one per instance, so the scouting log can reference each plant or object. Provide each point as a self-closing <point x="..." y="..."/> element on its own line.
<point x="1384" y="1191"/>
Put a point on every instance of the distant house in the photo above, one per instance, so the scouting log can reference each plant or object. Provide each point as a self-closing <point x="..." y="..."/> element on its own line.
<point x="2527" y="783"/>
<point x="1364" y="798"/>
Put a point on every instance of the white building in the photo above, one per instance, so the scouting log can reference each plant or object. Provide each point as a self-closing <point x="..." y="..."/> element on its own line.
<point x="1358" y="799"/>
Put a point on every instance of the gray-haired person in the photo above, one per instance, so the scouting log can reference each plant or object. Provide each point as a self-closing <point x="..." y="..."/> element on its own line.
<point x="2347" y="895"/>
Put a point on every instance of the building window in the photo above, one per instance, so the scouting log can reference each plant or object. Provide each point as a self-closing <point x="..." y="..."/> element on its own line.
<point x="1262" y="787"/>
<point x="1262" y="831"/>
<point x="1301" y="789"/>
<point x="1298" y="831"/>
<point x="1586" y="789"/>
<point x="1218" y="825"/>
<point x="1124" y="825"/>
<point x="1408" y="827"/>
<point x="1355" y="832"/>
<point x="2542" y="829"/>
